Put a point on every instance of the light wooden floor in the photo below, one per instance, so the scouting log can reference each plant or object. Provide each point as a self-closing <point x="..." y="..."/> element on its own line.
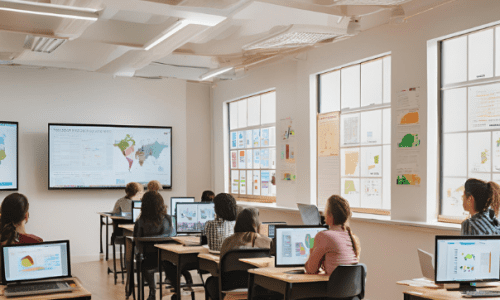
<point x="95" y="279"/>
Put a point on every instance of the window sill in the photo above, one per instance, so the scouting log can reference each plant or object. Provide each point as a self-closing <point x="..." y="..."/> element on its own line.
<point x="371" y="218"/>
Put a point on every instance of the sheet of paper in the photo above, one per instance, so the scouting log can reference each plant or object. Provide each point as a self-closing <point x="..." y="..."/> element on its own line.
<point x="350" y="161"/>
<point x="272" y="136"/>
<point x="329" y="134"/>
<point x="350" y="130"/>
<point x="249" y="182"/>
<point x="484" y="107"/>
<point x="256" y="159"/>
<point x="453" y="190"/>
<point x="371" y="163"/>
<point x="479" y="152"/>
<point x="256" y="183"/>
<point x="248" y="136"/>
<point x="243" y="182"/>
<point x="234" y="140"/>
<point x="256" y="138"/>
<point x="409" y="98"/>
<point x="241" y="139"/>
<point x="272" y="158"/>
<point x="249" y="156"/>
<point x="264" y="158"/>
<point x="235" y="181"/>
<point x="351" y="191"/>
<point x="234" y="159"/>
<point x="408" y="117"/>
<point x="264" y="178"/>
<point x="371" y="195"/>
<point x="242" y="161"/>
<point x="265" y="137"/>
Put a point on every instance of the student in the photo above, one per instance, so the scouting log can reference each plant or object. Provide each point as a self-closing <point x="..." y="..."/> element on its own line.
<point x="482" y="200"/>
<point x="14" y="216"/>
<point x="207" y="196"/>
<point x="223" y="225"/>
<point x="133" y="191"/>
<point x="154" y="222"/>
<point x="154" y="185"/>
<point x="246" y="235"/>
<point x="337" y="246"/>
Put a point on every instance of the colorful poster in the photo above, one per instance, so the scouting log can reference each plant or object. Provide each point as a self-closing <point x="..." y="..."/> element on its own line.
<point x="351" y="191"/>
<point x="408" y="140"/>
<point x="256" y="138"/>
<point x="287" y="129"/>
<point x="243" y="183"/>
<point x="249" y="182"/>
<point x="241" y="139"/>
<point x="242" y="162"/>
<point x="256" y="159"/>
<point x="264" y="178"/>
<point x="256" y="183"/>
<point x="234" y="140"/>
<point x="408" y="179"/>
<point x="250" y="159"/>
<point x="264" y="158"/>
<point x="265" y="137"/>
<point x="372" y="161"/>
<point x="234" y="159"/>
<point x="235" y="181"/>
<point x="248" y="139"/>
<point x="349" y="164"/>
<point x="408" y="117"/>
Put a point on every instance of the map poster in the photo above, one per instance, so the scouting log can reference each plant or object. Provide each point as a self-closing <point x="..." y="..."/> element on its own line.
<point x="408" y="139"/>
<point x="329" y="134"/>
<point x="408" y="117"/>
<point x="235" y="181"/>
<point x="484" y="107"/>
<point x="234" y="140"/>
<point x="234" y="159"/>
<point x="243" y="183"/>
<point x="451" y="195"/>
<point x="350" y="160"/>
<point x="371" y="193"/>
<point x="350" y="190"/>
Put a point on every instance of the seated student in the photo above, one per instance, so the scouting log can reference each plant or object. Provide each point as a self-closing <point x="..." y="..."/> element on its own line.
<point x="154" y="222"/>
<point x="207" y="196"/>
<point x="134" y="191"/>
<point x="246" y="235"/>
<point x="482" y="200"/>
<point x="223" y="225"/>
<point x="155" y="186"/>
<point x="337" y="246"/>
<point x="14" y="215"/>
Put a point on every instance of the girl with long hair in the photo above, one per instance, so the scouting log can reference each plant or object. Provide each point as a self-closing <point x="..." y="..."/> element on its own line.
<point x="14" y="216"/>
<point x="482" y="200"/>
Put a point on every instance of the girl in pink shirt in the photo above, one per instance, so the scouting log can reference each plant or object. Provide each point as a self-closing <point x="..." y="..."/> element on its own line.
<point x="337" y="246"/>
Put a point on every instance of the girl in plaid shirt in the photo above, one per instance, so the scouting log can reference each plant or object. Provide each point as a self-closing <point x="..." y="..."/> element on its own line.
<point x="223" y="225"/>
<point x="482" y="200"/>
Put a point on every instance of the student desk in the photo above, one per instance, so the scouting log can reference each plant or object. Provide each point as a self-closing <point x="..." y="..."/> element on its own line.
<point x="184" y="258"/>
<point x="209" y="262"/>
<point x="79" y="294"/>
<point x="421" y="293"/>
<point x="128" y="232"/>
<point x="107" y="216"/>
<point x="292" y="286"/>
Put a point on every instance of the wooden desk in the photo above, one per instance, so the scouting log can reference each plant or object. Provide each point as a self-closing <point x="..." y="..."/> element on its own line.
<point x="259" y="262"/>
<point x="274" y="279"/>
<point x="420" y="293"/>
<point x="108" y="216"/>
<point x="184" y="258"/>
<point x="127" y="228"/>
<point x="79" y="294"/>
<point x="209" y="262"/>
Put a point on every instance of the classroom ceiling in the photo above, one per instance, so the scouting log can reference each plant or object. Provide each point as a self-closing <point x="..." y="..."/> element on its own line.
<point x="186" y="39"/>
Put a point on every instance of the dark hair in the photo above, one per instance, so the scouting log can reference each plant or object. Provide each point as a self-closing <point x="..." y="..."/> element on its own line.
<point x="225" y="206"/>
<point x="340" y="210"/>
<point x="247" y="221"/>
<point x="154" y="185"/>
<point x="486" y="194"/>
<point x="207" y="196"/>
<point x="132" y="188"/>
<point x="153" y="208"/>
<point x="13" y="211"/>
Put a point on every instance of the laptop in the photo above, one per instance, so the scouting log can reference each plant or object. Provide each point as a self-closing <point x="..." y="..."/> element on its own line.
<point x="136" y="210"/>
<point x="293" y="245"/>
<point x="269" y="228"/>
<point x="191" y="218"/>
<point x="29" y="269"/>
<point x="175" y="200"/>
<point x="310" y="214"/>
<point x="426" y="264"/>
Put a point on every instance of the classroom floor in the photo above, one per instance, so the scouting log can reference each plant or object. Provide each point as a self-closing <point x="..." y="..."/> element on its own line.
<point x="94" y="277"/>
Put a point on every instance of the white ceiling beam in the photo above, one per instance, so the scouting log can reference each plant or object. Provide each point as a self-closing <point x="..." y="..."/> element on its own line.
<point x="36" y="8"/>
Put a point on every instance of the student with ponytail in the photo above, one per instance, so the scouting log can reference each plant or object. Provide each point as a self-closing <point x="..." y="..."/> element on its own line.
<point x="337" y="246"/>
<point x="482" y="200"/>
<point x="14" y="215"/>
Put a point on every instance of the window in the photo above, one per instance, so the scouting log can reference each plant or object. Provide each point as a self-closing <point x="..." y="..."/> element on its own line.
<point x="354" y="150"/>
<point x="469" y="116"/>
<point x="252" y="153"/>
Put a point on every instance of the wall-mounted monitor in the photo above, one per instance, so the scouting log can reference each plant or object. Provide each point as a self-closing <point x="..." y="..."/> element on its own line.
<point x="85" y="156"/>
<point x="9" y="133"/>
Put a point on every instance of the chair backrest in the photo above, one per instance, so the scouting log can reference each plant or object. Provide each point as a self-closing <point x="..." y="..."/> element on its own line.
<point x="347" y="281"/>
<point x="233" y="272"/>
<point x="146" y="244"/>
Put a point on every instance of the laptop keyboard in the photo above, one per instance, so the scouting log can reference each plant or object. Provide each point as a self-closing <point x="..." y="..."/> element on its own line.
<point x="474" y="294"/>
<point x="33" y="287"/>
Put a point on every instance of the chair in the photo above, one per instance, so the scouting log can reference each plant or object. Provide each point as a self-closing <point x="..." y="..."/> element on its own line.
<point x="347" y="282"/>
<point x="233" y="275"/>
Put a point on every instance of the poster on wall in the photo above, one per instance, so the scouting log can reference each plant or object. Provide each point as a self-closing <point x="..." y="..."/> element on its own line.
<point x="264" y="178"/>
<point x="234" y="140"/>
<point x="242" y="162"/>
<point x="235" y="181"/>
<point x="328" y="134"/>
<point x="248" y="136"/>
<point x="249" y="159"/>
<point x="234" y="159"/>
<point x="256" y="183"/>
<point x="243" y="183"/>
<point x="287" y="139"/>
<point x="256" y="138"/>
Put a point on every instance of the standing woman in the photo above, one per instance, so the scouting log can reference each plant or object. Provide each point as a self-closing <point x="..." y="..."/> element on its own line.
<point x="482" y="200"/>
<point x="133" y="191"/>
<point x="14" y="216"/>
<point x="337" y="246"/>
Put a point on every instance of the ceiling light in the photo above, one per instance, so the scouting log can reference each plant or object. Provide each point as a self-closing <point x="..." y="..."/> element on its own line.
<point x="45" y="10"/>
<point x="215" y="72"/>
<point x="42" y="44"/>
<point x="171" y="30"/>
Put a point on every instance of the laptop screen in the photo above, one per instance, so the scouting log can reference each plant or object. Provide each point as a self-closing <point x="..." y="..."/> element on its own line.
<point x="175" y="200"/>
<point x="191" y="217"/>
<point x="37" y="261"/>
<point x="136" y="210"/>
<point x="293" y="244"/>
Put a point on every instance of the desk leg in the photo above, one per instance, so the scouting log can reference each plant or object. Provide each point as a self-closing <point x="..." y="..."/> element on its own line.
<point x="250" y="286"/>
<point x="107" y="243"/>
<point x="101" y="222"/>
<point x="178" y="283"/>
<point x="160" y="271"/>
<point x="288" y="291"/>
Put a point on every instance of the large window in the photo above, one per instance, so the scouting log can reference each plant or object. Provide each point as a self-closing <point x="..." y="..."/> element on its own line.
<point x="470" y="115"/>
<point x="252" y="153"/>
<point x="354" y="135"/>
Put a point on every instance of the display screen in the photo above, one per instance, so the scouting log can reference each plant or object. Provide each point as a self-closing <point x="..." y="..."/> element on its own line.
<point x="8" y="155"/>
<point x="40" y="261"/>
<point x="293" y="245"/>
<point x="467" y="259"/>
<point x="108" y="156"/>
<point x="175" y="200"/>
<point x="136" y="210"/>
<point x="191" y="217"/>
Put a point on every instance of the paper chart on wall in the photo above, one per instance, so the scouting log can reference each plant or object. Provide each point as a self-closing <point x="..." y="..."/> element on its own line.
<point x="241" y="139"/>
<point x="234" y="140"/>
<point x="406" y="117"/>
<point x="484" y="107"/>
<point x="248" y="135"/>
<point x="288" y="173"/>
<point x="256" y="183"/>
<point x="234" y="159"/>
<point x="264" y="158"/>
<point x="256" y="138"/>
<point x="235" y="181"/>
<point x="287" y="148"/>
<point x="409" y="98"/>
<point x="249" y="156"/>
<point x="371" y="161"/>
<point x="496" y="150"/>
<point x="350" y="161"/>
<point x="350" y="128"/>
<point x="265" y="137"/>
<point x="408" y="139"/>
<point x="256" y="159"/>
<point x="453" y="189"/>
<point x="351" y="191"/>
<point x="371" y="193"/>
<point x="242" y="161"/>
<point x="329" y="134"/>
<point x="265" y="181"/>
<point x="408" y="168"/>
<point x="272" y="184"/>
<point x="248" y="178"/>
<point x="243" y="182"/>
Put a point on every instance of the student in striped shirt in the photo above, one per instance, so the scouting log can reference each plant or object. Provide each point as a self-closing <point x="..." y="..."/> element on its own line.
<point x="337" y="246"/>
<point x="482" y="200"/>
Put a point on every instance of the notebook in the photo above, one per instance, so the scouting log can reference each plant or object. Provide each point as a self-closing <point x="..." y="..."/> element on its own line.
<point x="29" y="269"/>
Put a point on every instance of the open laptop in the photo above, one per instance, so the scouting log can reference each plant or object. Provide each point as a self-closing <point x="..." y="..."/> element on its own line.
<point x="29" y="269"/>
<point x="310" y="214"/>
<point x="191" y="218"/>
<point x="175" y="200"/>
<point x="293" y="245"/>
<point x="426" y="264"/>
<point x="136" y="210"/>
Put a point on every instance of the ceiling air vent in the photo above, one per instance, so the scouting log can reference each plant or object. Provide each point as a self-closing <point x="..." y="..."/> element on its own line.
<point x="42" y="44"/>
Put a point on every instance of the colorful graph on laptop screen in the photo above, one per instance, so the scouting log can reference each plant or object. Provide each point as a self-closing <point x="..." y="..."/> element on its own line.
<point x="293" y="245"/>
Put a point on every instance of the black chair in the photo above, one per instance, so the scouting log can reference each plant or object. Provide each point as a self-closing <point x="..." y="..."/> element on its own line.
<point x="233" y="275"/>
<point x="347" y="282"/>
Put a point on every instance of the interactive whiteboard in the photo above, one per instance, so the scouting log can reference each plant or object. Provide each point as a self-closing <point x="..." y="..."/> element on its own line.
<point x="8" y="155"/>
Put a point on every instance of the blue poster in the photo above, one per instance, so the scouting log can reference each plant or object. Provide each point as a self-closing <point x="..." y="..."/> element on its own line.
<point x="256" y="138"/>
<point x="233" y="140"/>
<point x="249" y="139"/>
<point x="256" y="159"/>
<point x="241" y="139"/>
<point x="264" y="158"/>
<point x="265" y="137"/>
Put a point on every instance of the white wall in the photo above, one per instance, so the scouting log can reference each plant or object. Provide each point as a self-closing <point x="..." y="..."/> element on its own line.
<point x="388" y="250"/>
<point x="36" y="97"/>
